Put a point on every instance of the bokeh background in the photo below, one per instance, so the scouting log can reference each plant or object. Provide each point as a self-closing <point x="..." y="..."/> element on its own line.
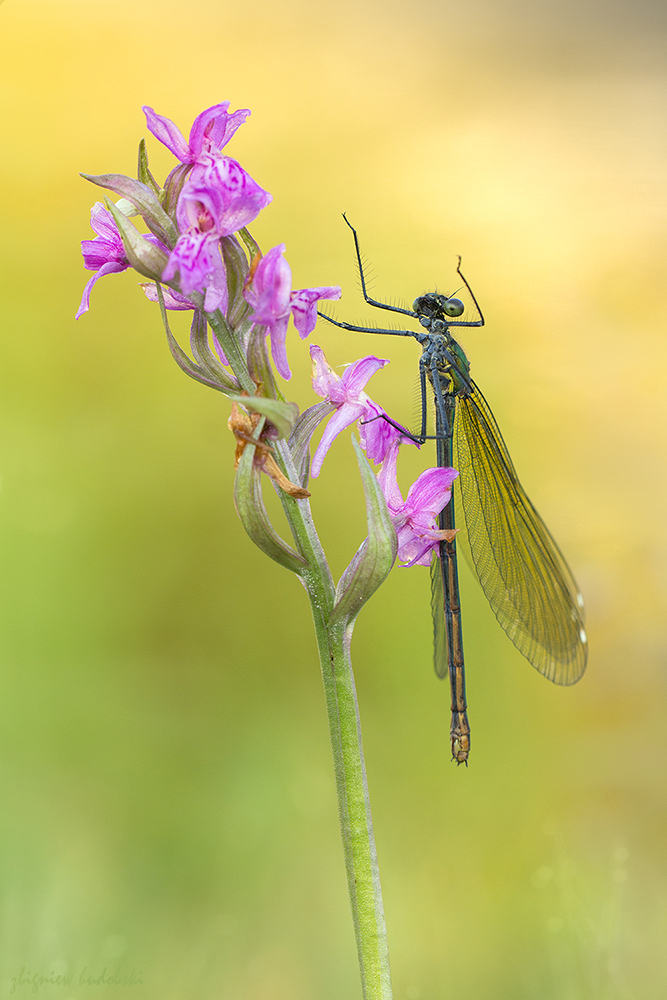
<point x="167" y="796"/>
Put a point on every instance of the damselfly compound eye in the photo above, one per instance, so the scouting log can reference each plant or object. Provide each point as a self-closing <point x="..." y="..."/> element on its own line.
<point x="453" y="307"/>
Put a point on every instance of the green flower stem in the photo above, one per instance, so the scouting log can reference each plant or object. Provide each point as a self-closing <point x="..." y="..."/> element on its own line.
<point x="354" y="808"/>
<point x="333" y="643"/>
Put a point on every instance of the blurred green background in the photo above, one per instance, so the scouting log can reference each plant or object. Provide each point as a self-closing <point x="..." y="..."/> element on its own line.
<point x="167" y="796"/>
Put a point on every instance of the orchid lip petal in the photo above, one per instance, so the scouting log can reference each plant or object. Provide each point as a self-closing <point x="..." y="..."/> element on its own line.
<point x="415" y="518"/>
<point x="232" y="199"/>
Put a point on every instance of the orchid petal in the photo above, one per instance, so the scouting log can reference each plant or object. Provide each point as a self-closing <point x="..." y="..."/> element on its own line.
<point x="101" y="221"/>
<point x="216" y="127"/>
<point x="358" y="374"/>
<point x="304" y="306"/>
<point x="325" y="380"/>
<point x="424" y="553"/>
<point x="203" y="126"/>
<point x="388" y="481"/>
<point x="168" y="134"/>
<point x="110" y="268"/>
<point x="377" y="434"/>
<point x="194" y="259"/>
<point x="342" y="418"/>
<point x="431" y="491"/>
<point x="347" y="395"/>
<point x="172" y="299"/>
<point x="269" y="292"/>
<point x="107" y="246"/>
<point x="229" y="195"/>
<point x="243" y="198"/>
<point x="216" y="289"/>
<point x="414" y="518"/>
<point x="278" y="334"/>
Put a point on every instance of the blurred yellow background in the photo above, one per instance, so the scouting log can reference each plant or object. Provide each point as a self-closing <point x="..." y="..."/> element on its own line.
<point x="167" y="796"/>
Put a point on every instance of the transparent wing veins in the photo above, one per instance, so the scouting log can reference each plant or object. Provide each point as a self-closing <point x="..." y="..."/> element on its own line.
<point x="522" y="571"/>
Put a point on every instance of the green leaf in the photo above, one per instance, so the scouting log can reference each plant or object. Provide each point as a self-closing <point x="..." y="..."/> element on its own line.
<point x="231" y="344"/>
<point x="144" y="199"/>
<point x="302" y="432"/>
<point x="250" y="507"/>
<point x="143" y="171"/>
<point x="185" y="363"/>
<point x="259" y="365"/>
<point x="204" y="356"/>
<point x="372" y="562"/>
<point x="237" y="267"/>
<point x="253" y="248"/>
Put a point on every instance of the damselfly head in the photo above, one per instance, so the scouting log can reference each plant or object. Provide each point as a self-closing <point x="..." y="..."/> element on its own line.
<point x="433" y="306"/>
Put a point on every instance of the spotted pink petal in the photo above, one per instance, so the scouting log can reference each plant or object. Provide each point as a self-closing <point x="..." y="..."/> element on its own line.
<point x="304" y="306"/>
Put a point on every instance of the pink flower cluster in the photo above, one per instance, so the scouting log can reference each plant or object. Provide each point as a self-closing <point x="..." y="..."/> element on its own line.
<point x="217" y="199"/>
<point x="414" y="518"/>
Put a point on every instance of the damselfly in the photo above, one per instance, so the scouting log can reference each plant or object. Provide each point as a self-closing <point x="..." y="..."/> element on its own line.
<point x="522" y="571"/>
